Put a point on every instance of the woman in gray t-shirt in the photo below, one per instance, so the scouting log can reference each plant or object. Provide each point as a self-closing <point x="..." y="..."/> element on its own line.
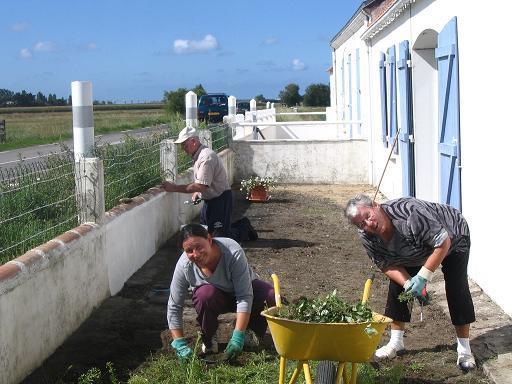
<point x="222" y="282"/>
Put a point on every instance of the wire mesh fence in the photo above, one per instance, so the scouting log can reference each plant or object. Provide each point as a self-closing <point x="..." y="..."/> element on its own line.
<point x="130" y="168"/>
<point x="43" y="197"/>
<point x="219" y="137"/>
<point x="37" y="203"/>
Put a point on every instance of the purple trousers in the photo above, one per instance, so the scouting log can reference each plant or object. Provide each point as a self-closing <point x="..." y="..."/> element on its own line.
<point x="210" y="302"/>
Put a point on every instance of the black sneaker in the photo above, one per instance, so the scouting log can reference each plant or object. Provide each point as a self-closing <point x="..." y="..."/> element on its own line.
<point x="253" y="235"/>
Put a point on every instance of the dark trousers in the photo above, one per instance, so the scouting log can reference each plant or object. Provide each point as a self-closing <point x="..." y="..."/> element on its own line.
<point x="216" y="214"/>
<point x="460" y="304"/>
<point x="210" y="302"/>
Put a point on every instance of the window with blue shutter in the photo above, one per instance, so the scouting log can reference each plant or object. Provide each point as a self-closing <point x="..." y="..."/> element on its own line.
<point x="349" y="86"/>
<point x="358" y="91"/>
<point x="383" y="98"/>
<point x="406" y="129"/>
<point x="392" y="96"/>
<point x="449" y="119"/>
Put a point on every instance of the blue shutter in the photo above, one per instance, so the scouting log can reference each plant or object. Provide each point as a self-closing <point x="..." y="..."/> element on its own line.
<point x="349" y="104"/>
<point x="392" y="96"/>
<point x="358" y="91"/>
<point x="406" y="146"/>
<point x="449" y="124"/>
<point x="383" y="98"/>
<point x="342" y="89"/>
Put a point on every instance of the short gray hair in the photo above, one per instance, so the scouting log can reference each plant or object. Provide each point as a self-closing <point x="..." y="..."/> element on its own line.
<point x="359" y="200"/>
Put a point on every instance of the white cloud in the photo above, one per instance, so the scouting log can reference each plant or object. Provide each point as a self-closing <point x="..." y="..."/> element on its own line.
<point x="91" y="46"/>
<point x="298" y="65"/>
<point x="25" y="53"/>
<point x="45" y="46"/>
<point x="193" y="46"/>
<point x="270" y="40"/>
<point x="19" y="26"/>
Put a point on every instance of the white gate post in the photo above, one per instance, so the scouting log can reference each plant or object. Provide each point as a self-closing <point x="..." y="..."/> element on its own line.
<point x="253" y="109"/>
<point x="90" y="189"/>
<point x="231" y="106"/>
<point x="268" y="104"/>
<point x="191" y="109"/>
<point x="169" y="159"/>
<point x="83" y="125"/>
<point x="205" y="137"/>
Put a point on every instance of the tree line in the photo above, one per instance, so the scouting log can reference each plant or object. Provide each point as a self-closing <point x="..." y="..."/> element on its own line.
<point x="27" y="99"/>
<point x="316" y="95"/>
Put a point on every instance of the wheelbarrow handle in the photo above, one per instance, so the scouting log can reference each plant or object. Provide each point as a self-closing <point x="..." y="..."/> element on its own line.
<point x="277" y="290"/>
<point x="367" y="286"/>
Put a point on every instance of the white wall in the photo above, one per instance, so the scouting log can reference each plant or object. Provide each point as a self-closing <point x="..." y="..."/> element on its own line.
<point x="486" y="135"/>
<point x="47" y="293"/>
<point x="296" y="161"/>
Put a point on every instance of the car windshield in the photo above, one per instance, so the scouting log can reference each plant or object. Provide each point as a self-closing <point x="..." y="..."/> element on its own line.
<point x="213" y="100"/>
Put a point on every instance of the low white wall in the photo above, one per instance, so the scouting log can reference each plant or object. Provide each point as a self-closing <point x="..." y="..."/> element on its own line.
<point x="48" y="292"/>
<point x="296" y="161"/>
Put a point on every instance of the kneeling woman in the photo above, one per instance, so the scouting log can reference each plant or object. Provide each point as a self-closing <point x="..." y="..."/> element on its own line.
<point x="222" y="282"/>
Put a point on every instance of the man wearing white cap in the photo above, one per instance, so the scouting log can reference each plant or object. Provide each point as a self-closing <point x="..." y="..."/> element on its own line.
<point x="211" y="183"/>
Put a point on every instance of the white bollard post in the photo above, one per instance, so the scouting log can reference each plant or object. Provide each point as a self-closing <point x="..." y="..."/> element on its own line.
<point x="268" y="104"/>
<point x="231" y="106"/>
<point x="191" y="109"/>
<point x="272" y="105"/>
<point x="83" y="124"/>
<point x="253" y="109"/>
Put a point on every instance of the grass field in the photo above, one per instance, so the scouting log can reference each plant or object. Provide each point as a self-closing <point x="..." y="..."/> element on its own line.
<point x="32" y="126"/>
<point x="282" y="109"/>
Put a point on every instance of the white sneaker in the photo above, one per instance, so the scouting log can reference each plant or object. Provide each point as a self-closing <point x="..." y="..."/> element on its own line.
<point x="214" y="348"/>
<point x="388" y="351"/>
<point x="466" y="362"/>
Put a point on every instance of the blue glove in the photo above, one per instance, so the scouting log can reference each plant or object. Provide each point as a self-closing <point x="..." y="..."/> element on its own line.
<point x="235" y="345"/>
<point x="182" y="349"/>
<point x="415" y="285"/>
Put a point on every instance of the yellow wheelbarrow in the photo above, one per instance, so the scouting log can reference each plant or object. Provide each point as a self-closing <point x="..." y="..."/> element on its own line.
<point x="342" y="342"/>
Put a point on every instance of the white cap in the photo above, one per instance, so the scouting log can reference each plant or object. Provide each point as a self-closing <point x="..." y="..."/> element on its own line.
<point x="186" y="133"/>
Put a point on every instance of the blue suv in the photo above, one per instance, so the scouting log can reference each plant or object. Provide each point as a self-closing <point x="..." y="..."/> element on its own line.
<point x="212" y="107"/>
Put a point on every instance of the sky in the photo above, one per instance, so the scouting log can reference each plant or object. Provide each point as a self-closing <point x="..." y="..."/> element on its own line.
<point x="134" y="51"/>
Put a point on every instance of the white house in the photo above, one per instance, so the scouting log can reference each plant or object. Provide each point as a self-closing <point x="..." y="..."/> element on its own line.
<point x="435" y="74"/>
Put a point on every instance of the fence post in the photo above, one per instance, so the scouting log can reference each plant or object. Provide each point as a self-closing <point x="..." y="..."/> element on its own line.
<point x="205" y="136"/>
<point x="268" y="104"/>
<point x="191" y="109"/>
<point x="253" y="109"/>
<point x="83" y="126"/>
<point x="169" y="159"/>
<point x="3" y="134"/>
<point x="90" y="189"/>
<point x="232" y="106"/>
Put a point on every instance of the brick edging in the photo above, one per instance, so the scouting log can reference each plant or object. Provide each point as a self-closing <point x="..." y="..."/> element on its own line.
<point x="15" y="271"/>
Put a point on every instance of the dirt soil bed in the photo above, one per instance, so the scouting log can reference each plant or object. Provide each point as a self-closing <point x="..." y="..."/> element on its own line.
<point x="305" y="240"/>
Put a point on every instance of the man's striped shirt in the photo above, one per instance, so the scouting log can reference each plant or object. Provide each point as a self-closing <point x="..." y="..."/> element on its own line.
<point x="419" y="227"/>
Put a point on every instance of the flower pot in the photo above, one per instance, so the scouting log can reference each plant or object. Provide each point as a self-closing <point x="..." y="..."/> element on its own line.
<point x="259" y="193"/>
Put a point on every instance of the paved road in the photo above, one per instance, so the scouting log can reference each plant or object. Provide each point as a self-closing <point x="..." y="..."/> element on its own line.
<point x="9" y="158"/>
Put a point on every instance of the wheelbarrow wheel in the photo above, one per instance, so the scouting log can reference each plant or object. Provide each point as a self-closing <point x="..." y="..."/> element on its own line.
<point x="325" y="372"/>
